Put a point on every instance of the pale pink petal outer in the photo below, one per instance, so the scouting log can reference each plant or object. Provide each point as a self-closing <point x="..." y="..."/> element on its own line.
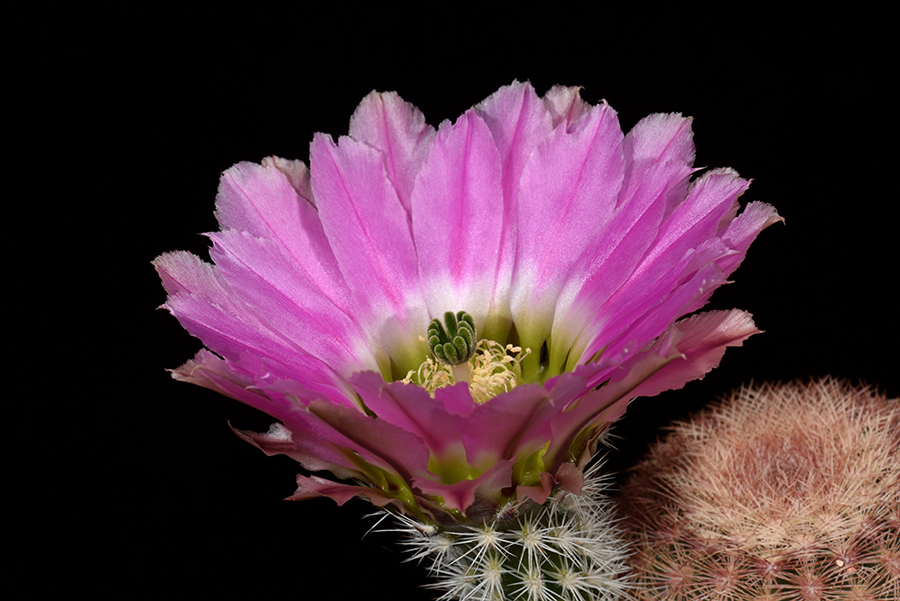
<point x="272" y="228"/>
<point x="656" y="141"/>
<point x="398" y="130"/>
<point x="658" y="154"/>
<point x="269" y="203"/>
<point x="607" y="265"/>
<point x="568" y="190"/>
<point x="369" y="232"/>
<point x="201" y="299"/>
<point x="712" y="199"/>
<point x="741" y="232"/>
<point x="270" y="285"/>
<point x="457" y="219"/>
<point x="682" y="300"/>
<point x="297" y="174"/>
<point x="205" y="305"/>
<point x="701" y="270"/>
<point x="518" y="122"/>
<point x="565" y="106"/>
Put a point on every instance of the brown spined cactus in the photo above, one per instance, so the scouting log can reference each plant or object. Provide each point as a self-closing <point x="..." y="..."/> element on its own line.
<point x="779" y="492"/>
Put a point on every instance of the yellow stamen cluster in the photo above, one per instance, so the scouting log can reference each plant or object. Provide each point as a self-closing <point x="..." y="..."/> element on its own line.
<point x="493" y="369"/>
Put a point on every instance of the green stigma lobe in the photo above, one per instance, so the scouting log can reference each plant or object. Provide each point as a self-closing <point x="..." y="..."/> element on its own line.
<point x="456" y="344"/>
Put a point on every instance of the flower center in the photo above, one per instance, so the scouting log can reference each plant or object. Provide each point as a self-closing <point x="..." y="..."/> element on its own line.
<point x="489" y="367"/>
<point x="456" y="345"/>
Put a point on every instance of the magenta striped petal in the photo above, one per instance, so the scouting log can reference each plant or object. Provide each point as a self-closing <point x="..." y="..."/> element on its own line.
<point x="458" y="219"/>
<point x="274" y="202"/>
<point x="605" y="266"/>
<point x="518" y="122"/>
<point x="398" y="131"/>
<point x="207" y="307"/>
<point x="369" y="232"/>
<point x="269" y="284"/>
<point x="568" y="191"/>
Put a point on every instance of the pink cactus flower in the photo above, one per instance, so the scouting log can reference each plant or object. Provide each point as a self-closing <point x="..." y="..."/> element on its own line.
<point x="450" y="318"/>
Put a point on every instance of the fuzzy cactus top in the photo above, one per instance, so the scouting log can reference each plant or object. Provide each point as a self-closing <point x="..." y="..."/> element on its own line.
<point x="780" y="492"/>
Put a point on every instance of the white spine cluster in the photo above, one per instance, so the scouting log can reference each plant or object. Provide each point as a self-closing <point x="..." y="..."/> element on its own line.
<point x="568" y="549"/>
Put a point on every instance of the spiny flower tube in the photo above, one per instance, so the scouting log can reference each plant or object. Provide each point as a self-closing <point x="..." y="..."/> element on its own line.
<point x="450" y="318"/>
<point x="778" y="493"/>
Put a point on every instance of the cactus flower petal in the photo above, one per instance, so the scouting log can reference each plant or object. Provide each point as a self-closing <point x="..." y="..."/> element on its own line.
<point x="566" y="251"/>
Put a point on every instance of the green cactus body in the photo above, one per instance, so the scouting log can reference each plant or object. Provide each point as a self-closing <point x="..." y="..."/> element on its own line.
<point x="568" y="549"/>
<point x="780" y="493"/>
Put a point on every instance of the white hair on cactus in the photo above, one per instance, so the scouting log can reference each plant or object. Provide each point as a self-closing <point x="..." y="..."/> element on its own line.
<point x="568" y="549"/>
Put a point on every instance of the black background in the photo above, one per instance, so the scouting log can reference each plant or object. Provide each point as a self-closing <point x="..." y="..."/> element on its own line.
<point x="142" y="488"/>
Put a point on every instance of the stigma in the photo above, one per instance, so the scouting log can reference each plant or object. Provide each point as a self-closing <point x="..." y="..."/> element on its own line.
<point x="488" y="367"/>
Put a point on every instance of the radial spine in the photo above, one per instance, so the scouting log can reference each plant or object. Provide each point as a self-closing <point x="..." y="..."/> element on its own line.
<point x="567" y="549"/>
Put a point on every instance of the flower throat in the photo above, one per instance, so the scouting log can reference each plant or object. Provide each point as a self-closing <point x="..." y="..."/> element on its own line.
<point x="488" y="367"/>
